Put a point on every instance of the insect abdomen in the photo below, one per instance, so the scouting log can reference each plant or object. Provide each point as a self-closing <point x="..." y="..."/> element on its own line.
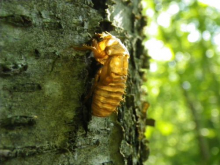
<point x="107" y="98"/>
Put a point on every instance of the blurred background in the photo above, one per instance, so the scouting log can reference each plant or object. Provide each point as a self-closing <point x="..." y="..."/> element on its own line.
<point x="183" y="40"/>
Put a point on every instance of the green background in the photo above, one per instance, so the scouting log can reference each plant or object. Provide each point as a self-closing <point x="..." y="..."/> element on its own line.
<point x="183" y="40"/>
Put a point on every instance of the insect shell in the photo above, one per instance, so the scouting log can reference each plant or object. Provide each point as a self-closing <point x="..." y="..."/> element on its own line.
<point x="110" y="81"/>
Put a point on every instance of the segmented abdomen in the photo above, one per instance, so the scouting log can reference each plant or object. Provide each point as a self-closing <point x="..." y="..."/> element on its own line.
<point x="106" y="98"/>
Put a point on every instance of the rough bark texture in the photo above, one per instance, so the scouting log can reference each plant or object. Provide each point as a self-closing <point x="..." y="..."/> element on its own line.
<point x="43" y="80"/>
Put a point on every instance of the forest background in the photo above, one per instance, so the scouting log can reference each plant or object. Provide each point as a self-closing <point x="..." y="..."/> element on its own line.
<point x="183" y="39"/>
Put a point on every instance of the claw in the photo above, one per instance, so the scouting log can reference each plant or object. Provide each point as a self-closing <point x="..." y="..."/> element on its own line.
<point x="83" y="48"/>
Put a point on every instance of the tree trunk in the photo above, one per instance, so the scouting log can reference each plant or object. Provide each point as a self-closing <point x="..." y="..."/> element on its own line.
<point x="44" y="81"/>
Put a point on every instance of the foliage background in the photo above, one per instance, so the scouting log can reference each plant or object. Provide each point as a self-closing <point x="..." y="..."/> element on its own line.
<point x="183" y="39"/>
